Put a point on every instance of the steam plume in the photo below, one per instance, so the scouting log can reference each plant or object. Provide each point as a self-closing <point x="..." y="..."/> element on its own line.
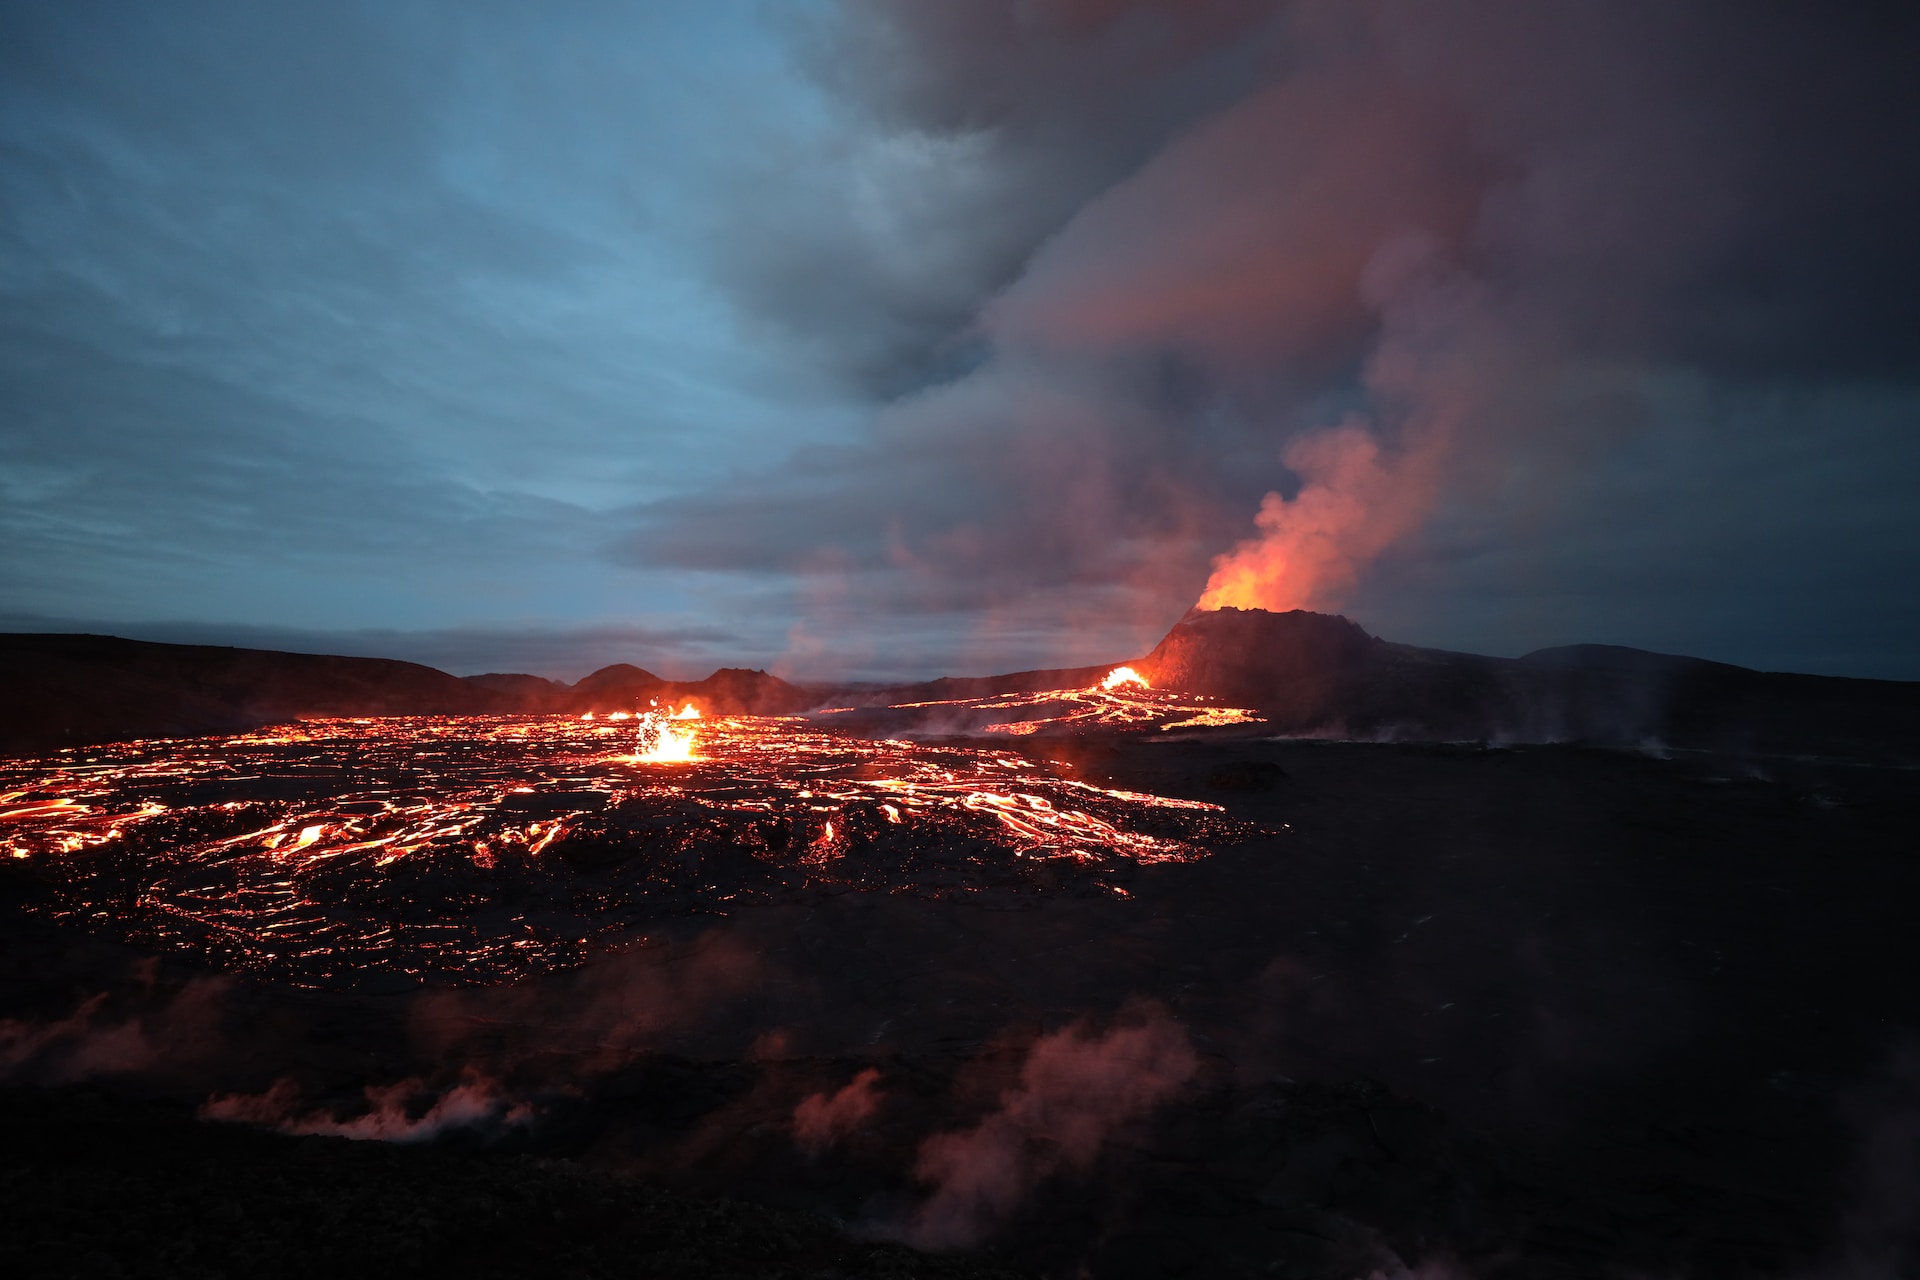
<point x="91" y="1042"/>
<point x="1075" y="1088"/>
<point x="1372" y="480"/>
<point x="1426" y="277"/>
<point x="823" y="1119"/>
<point x="1311" y="547"/>
<point x="603" y="1016"/>
<point x="392" y="1114"/>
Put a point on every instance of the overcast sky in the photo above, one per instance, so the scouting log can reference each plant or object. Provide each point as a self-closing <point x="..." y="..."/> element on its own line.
<point x="885" y="338"/>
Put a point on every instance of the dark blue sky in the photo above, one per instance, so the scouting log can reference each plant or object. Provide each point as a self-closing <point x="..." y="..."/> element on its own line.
<point x="865" y="338"/>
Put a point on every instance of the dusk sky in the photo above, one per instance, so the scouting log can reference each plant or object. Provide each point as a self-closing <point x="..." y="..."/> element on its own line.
<point x="880" y="339"/>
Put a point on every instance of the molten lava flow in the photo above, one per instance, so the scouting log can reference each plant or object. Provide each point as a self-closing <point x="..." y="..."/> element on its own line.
<point x="1122" y="701"/>
<point x="658" y="741"/>
<point x="487" y="848"/>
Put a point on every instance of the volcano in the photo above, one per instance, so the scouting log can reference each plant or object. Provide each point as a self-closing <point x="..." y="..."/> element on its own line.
<point x="1291" y="950"/>
<point x="1316" y="674"/>
<point x="1306" y="674"/>
<point x="1321" y="675"/>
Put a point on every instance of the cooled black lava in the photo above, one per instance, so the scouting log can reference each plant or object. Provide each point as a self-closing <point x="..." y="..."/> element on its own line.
<point x="484" y="849"/>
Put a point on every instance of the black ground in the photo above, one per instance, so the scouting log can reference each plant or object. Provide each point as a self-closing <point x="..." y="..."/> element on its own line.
<point x="1539" y="1012"/>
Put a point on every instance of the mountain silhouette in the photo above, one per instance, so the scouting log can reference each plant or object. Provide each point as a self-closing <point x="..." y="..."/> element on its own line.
<point x="1306" y="673"/>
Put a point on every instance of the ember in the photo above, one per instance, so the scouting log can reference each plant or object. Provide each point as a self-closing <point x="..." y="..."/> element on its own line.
<point x="482" y="849"/>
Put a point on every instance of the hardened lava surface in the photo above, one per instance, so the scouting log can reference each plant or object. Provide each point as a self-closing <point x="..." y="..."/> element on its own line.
<point x="486" y="849"/>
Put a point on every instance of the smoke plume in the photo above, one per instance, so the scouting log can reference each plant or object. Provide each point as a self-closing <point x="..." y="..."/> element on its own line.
<point x="1311" y="547"/>
<point x="1879" y="1235"/>
<point x="822" y="1119"/>
<point x="393" y="1113"/>
<point x="1075" y="1088"/>
<point x="1258" y="302"/>
<point x="95" y="1040"/>
<point x="601" y="1017"/>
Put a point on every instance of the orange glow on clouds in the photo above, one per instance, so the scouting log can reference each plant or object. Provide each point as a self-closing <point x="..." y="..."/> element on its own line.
<point x="1353" y="503"/>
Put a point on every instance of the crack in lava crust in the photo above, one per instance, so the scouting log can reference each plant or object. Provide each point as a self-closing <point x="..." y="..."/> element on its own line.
<point x="485" y="849"/>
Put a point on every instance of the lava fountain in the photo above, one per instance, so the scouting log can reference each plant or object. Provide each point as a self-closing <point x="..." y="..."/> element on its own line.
<point x="658" y="739"/>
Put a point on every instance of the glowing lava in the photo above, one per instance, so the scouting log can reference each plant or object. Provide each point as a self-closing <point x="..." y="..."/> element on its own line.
<point x="487" y="848"/>
<point x="659" y="741"/>
<point x="1123" y="676"/>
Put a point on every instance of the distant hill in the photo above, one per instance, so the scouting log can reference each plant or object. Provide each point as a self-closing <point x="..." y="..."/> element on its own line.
<point x="728" y="691"/>
<point x="520" y="692"/>
<point x="1307" y="673"/>
<point x="615" y="681"/>
<point x="1318" y="673"/>
<point x="67" y="690"/>
<point x="60" y="690"/>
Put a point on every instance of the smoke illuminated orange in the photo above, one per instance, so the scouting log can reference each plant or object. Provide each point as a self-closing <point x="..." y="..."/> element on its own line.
<point x="1352" y="504"/>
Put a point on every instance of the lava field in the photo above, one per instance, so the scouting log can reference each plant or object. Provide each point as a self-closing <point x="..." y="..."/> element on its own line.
<point x="475" y="850"/>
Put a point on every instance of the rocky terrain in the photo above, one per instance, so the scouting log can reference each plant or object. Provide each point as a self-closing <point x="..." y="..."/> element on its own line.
<point x="1634" y="1003"/>
<point x="1547" y="1011"/>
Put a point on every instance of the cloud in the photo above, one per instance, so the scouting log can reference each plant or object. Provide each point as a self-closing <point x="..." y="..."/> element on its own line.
<point x="952" y="140"/>
<point x="560" y="653"/>
<point x="960" y="334"/>
<point x="1467" y="247"/>
<point x="363" y="318"/>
